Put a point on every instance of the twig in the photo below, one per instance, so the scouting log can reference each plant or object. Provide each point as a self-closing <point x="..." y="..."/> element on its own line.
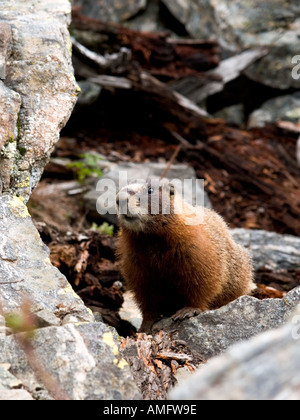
<point x="169" y="355"/>
<point x="171" y="161"/>
<point x="111" y="82"/>
<point x="117" y="62"/>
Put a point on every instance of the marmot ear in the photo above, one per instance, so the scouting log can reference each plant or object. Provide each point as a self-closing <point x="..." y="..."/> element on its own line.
<point x="172" y="190"/>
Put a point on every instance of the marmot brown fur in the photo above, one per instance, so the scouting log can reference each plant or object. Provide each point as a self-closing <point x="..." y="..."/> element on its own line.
<point x="172" y="263"/>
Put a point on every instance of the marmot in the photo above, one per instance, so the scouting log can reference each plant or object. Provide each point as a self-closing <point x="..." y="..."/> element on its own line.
<point x="172" y="266"/>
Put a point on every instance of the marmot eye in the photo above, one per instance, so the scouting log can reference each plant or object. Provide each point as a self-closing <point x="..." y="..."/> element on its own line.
<point x="150" y="191"/>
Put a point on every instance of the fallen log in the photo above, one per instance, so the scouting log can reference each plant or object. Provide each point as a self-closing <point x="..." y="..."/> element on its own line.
<point x="228" y="70"/>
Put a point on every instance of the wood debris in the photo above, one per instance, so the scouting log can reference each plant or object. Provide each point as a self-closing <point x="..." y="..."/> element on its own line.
<point x="155" y="360"/>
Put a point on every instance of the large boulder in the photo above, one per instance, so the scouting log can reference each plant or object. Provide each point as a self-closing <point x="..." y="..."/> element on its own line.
<point x="84" y="359"/>
<point x="111" y="10"/>
<point x="82" y="355"/>
<point x="26" y="271"/>
<point x="265" y="368"/>
<point x="213" y="332"/>
<point x="270" y="250"/>
<point x="239" y="25"/>
<point x="283" y="108"/>
<point x="38" y="91"/>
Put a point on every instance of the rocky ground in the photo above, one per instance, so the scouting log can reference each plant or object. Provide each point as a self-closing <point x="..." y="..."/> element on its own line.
<point x="202" y="105"/>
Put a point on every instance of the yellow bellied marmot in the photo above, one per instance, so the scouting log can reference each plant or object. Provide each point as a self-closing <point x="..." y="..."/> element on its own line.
<point x="177" y="263"/>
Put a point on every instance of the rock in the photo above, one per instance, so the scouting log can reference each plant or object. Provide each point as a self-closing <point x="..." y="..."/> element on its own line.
<point x="118" y="175"/>
<point x="84" y="359"/>
<point x="15" y="395"/>
<point x="275" y="69"/>
<point x="2" y="326"/>
<point x="270" y="250"/>
<point x="39" y="74"/>
<point x="265" y="368"/>
<point x="213" y="332"/>
<point x="89" y="94"/>
<point x="9" y="386"/>
<point x="242" y="25"/>
<point x="5" y="42"/>
<point x="81" y="354"/>
<point x="283" y="108"/>
<point x="111" y="10"/>
<point x="298" y="151"/>
<point x="7" y="380"/>
<point x="197" y="16"/>
<point x="150" y="20"/>
<point x="10" y="104"/>
<point x="26" y="271"/>
<point x="233" y="115"/>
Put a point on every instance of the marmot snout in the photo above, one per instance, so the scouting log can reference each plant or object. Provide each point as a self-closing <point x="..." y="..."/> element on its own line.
<point x="177" y="264"/>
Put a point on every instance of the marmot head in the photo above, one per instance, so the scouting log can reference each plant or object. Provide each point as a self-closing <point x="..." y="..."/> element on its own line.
<point x="145" y="206"/>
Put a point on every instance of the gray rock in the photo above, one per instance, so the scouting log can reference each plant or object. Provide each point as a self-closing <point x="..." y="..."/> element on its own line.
<point x="149" y="20"/>
<point x="2" y="326"/>
<point x="10" y="104"/>
<point x="196" y="15"/>
<point x="15" y="395"/>
<point x="283" y="108"/>
<point x="275" y="69"/>
<point x="265" y="368"/>
<point x="39" y="73"/>
<point x="26" y="271"/>
<point x="46" y="318"/>
<point x="9" y="386"/>
<point x="84" y="359"/>
<point x="7" y="380"/>
<point x="213" y="332"/>
<point x="247" y="24"/>
<point x="5" y="42"/>
<point x="270" y="250"/>
<point x="111" y="10"/>
<point x="233" y="115"/>
<point x="121" y="174"/>
<point x="89" y="93"/>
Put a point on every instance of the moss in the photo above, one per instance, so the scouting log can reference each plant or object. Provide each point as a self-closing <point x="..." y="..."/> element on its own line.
<point x="22" y="150"/>
<point x="105" y="228"/>
<point x="86" y="167"/>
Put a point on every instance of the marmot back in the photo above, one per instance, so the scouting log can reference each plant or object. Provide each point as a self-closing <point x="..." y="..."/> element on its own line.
<point x="177" y="264"/>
